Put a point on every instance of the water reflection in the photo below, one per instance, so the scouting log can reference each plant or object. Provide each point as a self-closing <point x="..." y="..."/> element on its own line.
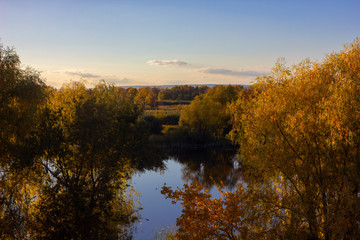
<point x="216" y="166"/>
<point x="175" y="169"/>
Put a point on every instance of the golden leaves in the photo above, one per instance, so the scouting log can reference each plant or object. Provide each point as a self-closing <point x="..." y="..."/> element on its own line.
<point x="304" y="125"/>
<point x="299" y="134"/>
<point x="204" y="217"/>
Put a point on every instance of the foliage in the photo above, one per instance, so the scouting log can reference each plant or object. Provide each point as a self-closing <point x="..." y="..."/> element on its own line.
<point x="209" y="167"/>
<point x="152" y="123"/>
<point x="184" y="92"/>
<point x="204" y="217"/>
<point x="206" y="115"/>
<point x="146" y="96"/>
<point x="167" y="116"/>
<point x="21" y="92"/>
<point x="87" y="140"/>
<point x="299" y="132"/>
<point x="65" y="157"/>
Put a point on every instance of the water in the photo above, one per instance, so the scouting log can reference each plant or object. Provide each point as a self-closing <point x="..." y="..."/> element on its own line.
<point x="206" y="169"/>
<point x="157" y="211"/>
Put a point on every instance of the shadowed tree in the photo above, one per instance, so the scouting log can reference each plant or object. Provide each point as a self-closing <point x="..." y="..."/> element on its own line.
<point x="21" y="91"/>
<point x="88" y="140"/>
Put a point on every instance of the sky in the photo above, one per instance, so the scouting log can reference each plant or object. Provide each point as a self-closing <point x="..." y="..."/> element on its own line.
<point x="168" y="42"/>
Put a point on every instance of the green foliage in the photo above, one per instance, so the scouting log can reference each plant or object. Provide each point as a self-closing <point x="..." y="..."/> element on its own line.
<point x="165" y="116"/>
<point x="152" y="123"/>
<point x="206" y="115"/>
<point x="88" y="139"/>
<point x="171" y="119"/>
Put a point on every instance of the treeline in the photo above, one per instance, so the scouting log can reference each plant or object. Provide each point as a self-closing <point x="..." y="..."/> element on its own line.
<point x="298" y="129"/>
<point x="151" y="96"/>
<point x="66" y="156"/>
<point x="183" y="92"/>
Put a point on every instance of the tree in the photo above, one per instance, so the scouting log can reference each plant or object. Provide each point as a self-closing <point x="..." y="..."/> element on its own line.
<point x="87" y="140"/>
<point x="183" y="92"/>
<point x="146" y="97"/>
<point x="210" y="167"/>
<point x="231" y="216"/>
<point x="21" y="92"/>
<point x="299" y="132"/>
<point x="207" y="114"/>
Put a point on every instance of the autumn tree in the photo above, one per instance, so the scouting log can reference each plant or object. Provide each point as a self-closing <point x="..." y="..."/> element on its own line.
<point x="299" y="132"/>
<point x="146" y="96"/>
<point x="302" y="132"/>
<point x="206" y="114"/>
<point x="87" y="140"/>
<point x="232" y="216"/>
<point x="21" y="92"/>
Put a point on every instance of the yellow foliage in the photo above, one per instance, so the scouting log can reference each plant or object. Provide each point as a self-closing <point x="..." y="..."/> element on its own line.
<point x="301" y="130"/>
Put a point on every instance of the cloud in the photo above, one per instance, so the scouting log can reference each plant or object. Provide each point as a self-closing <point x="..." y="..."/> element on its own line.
<point x="171" y="63"/>
<point x="228" y="72"/>
<point x="82" y="74"/>
<point x="107" y="78"/>
<point x="116" y="80"/>
<point x="207" y="70"/>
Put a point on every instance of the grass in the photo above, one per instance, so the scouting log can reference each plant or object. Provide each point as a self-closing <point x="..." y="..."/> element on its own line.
<point x="167" y="114"/>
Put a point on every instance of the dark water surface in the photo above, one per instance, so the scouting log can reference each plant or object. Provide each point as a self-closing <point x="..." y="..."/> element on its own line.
<point x="206" y="168"/>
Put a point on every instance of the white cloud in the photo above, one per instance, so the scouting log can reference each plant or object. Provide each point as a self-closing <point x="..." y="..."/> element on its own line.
<point x="59" y="77"/>
<point x="207" y="70"/>
<point x="229" y="72"/>
<point x="172" y="63"/>
<point x="115" y="79"/>
<point x="82" y="74"/>
<point x="96" y="78"/>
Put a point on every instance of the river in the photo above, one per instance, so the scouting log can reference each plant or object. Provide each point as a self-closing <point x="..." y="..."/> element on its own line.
<point x="206" y="168"/>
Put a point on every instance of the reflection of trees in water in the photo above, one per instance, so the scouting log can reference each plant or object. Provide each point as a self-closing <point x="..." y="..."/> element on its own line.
<point x="210" y="167"/>
<point x="64" y="174"/>
<point x="150" y="156"/>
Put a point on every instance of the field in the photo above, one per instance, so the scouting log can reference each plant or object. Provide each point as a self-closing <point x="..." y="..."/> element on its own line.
<point x="168" y="112"/>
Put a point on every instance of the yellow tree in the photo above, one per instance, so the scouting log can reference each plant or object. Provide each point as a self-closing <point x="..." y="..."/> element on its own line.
<point x="207" y="114"/>
<point x="204" y="217"/>
<point x="299" y="136"/>
<point x="300" y="131"/>
<point x="145" y="96"/>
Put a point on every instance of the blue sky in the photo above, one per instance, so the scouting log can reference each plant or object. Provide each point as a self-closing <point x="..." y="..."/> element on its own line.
<point x="156" y="42"/>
